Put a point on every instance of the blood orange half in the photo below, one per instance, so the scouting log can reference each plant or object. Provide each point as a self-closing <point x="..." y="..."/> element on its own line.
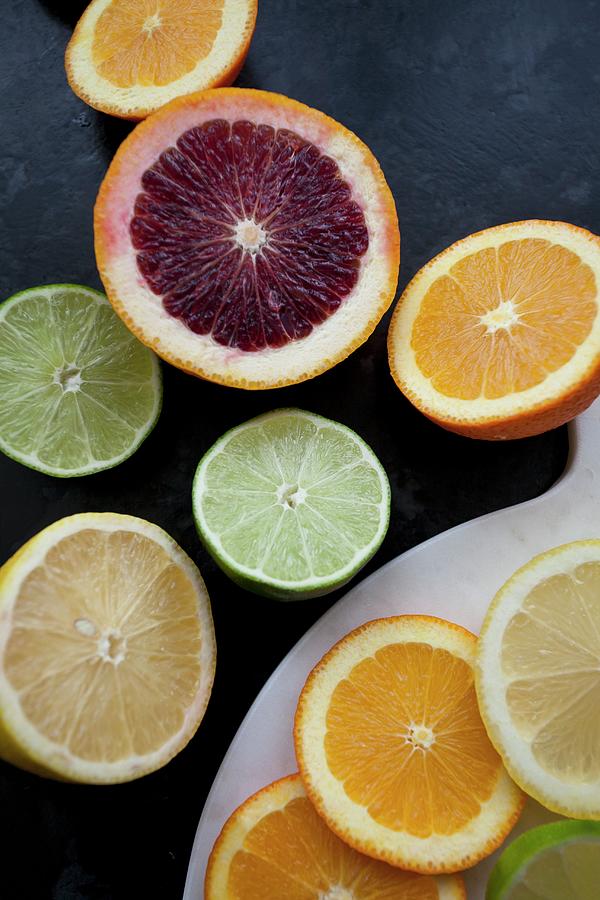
<point x="247" y="238"/>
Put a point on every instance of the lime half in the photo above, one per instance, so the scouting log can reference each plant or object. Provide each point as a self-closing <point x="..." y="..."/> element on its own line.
<point x="290" y="504"/>
<point x="78" y="392"/>
<point x="560" y="861"/>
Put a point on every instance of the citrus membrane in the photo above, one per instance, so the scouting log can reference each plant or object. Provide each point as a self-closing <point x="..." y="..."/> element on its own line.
<point x="560" y="861"/>
<point x="275" y="845"/>
<point x="538" y="677"/>
<point x="129" y="57"/>
<point x="78" y="393"/>
<point x="107" y="650"/>
<point x="291" y="504"/>
<point x="247" y="238"/>
<point x="393" y="751"/>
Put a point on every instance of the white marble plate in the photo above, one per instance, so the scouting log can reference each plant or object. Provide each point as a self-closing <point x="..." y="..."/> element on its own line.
<point x="454" y="575"/>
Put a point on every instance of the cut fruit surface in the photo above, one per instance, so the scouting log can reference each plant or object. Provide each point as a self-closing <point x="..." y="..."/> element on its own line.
<point x="276" y="845"/>
<point x="107" y="650"/>
<point x="247" y="238"/>
<point x="78" y="393"/>
<point x="560" y="861"/>
<point x="499" y="336"/>
<point x="291" y="504"/>
<point x="393" y="751"/>
<point x="538" y="677"/>
<point x="130" y="57"/>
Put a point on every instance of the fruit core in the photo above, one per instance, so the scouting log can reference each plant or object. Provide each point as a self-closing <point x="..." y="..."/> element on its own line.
<point x="420" y="736"/>
<point x="248" y="234"/>
<point x="503" y="316"/>
<point x="337" y="893"/>
<point x="68" y="378"/>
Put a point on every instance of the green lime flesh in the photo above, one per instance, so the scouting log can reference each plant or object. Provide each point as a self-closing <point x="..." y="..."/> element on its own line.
<point x="290" y="504"/>
<point x="560" y="861"/>
<point x="78" y="392"/>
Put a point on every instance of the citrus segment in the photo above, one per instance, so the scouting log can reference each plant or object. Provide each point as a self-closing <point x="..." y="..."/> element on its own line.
<point x="552" y="862"/>
<point x="129" y="57"/>
<point x="393" y="751"/>
<point x="247" y="238"/>
<point x="499" y="336"/>
<point x="78" y="393"/>
<point x="539" y="677"/>
<point x="276" y="845"/>
<point x="291" y="504"/>
<point x="107" y="650"/>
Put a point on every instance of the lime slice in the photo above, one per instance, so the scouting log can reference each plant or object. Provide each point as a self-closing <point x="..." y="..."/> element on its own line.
<point x="78" y="392"/>
<point x="560" y="861"/>
<point x="290" y="504"/>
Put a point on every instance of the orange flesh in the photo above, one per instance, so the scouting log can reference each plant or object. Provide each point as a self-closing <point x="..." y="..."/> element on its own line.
<point x="104" y="648"/>
<point x="292" y="854"/>
<point x="405" y="738"/>
<point x="154" y="42"/>
<point x="503" y="319"/>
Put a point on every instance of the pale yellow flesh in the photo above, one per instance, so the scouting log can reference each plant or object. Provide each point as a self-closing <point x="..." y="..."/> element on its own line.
<point x="108" y="650"/>
<point x="551" y="661"/>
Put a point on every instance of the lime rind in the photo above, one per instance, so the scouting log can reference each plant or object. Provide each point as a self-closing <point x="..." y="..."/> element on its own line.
<point x="320" y="494"/>
<point x="530" y="848"/>
<point x="104" y="416"/>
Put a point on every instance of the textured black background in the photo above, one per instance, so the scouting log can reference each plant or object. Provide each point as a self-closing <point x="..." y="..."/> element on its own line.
<point x="480" y="111"/>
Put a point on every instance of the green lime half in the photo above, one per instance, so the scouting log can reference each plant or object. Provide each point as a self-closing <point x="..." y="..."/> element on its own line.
<point x="560" y="861"/>
<point x="291" y="505"/>
<point x="78" y="392"/>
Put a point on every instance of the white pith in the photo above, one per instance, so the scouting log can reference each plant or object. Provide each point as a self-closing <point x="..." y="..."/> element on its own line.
<point x="448" y="852"/>
<point x="72" y="384"/>
<point x="230" y="40"/>
<point x="288" y="496"/>
<point x="271" y="799"/>
<point x="578" y="800"/>
<point x="403" y="358"/>
<point x="143" y="310"/>
<point x="55" y="758"/>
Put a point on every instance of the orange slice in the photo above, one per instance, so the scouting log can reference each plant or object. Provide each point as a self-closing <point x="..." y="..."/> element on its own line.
<point x="247" y="238"/>
<point x="276" y="846"/>
<point x="107" y="650"/>
<point x="129" y="57"/>
<point x="499" y="336"/>
<point x="393" y="751"/>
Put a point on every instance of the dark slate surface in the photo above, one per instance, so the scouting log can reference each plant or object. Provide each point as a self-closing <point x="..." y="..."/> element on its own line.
<point x="480" y="111"/>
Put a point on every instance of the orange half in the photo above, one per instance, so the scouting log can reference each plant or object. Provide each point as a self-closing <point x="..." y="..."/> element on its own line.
<point x="247" y="238"/>
<point x="393" y="751"/>
<point x="276" y="846"/>
<point x="499" y="336"/>
<point x="129" y="57"/>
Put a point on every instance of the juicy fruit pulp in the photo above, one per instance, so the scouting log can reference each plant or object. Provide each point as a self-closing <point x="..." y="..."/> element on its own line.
<point x="504" y="318"/>
<point x="109" y="654"/>
<point x="154" y="42"/>
<point x="78" y="392"/>
<point x="248" y="233"/>
<point x="539" y="677"/>
<point x="291" y="504"/>
<point x="560" y="861"/>
<point x="426" y="740"/>
<point x="288" y="851"/>
<point x="393" y="750"/>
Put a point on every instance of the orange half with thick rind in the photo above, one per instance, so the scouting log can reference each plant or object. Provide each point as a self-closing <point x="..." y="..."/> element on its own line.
<point x="499" y="336"/>
<point x="247" y="238"/>
<point x="393" y="751"/>
<point x="276" y="846"/>
<point x="130" y="57"/>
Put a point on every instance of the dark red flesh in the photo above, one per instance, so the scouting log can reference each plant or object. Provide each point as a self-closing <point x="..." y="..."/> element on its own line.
<point x="183" y="231"/>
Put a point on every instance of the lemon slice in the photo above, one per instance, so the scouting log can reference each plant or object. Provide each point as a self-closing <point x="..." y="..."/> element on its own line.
<point x="538" y="678"/>
<point x="107" y="650"/>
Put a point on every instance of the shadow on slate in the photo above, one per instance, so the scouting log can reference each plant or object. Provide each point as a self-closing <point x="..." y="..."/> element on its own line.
<point x="480" y="112"/>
